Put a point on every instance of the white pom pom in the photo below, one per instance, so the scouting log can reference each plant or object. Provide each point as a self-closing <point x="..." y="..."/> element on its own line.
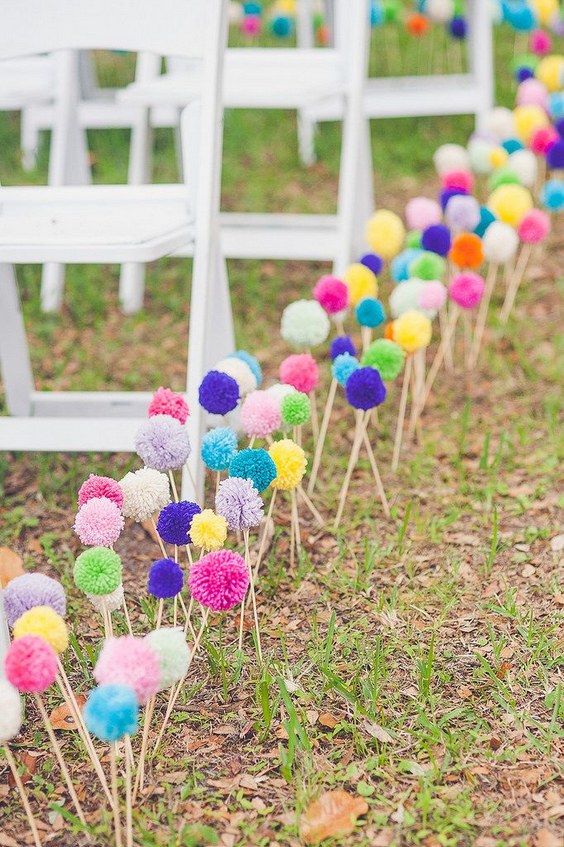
<point x="499" y="243"/>
<point x="440" y="11"/>
<point x="280" y="390"/>
<point x="499" y="123"/>
<point x="10" y="711"/>
<point x="169" y="643"/>
<point x="479" y="151"/>
<point x="144" y="492"/>
<point x="451" y="157"/>
<point x="107" y="602"/>
<point x="235" y="13"/>
<point x="241" y="373"/>
<point x="524" y="164"/>
<point x="304" y="324"/>
<point x="405" y="297"/>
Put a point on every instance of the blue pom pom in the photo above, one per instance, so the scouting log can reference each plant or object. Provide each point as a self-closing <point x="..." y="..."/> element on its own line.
<point x="165" y="579"/>
<point x="436" y="239"/>
<point x="400" y="264"/>
<point x="365" y="389"/>
<point x="555" y="155"/>
<point x="512" y="145"/>
<point x="552" y="195"/>
<point x="342" y="344"/>
<point x="377" y="14"/>
<point x="219" y="447"/>
<point x="282" y="26"/>
<point x="559" y="127"/>
<point x="252" y="362"/>
<point x="370" y="312"/>
<point x="373" y="262"/>
<point x="446" y="195"/>
<point x="175" y="520"/>
<point x="255" y="465"/>
<point x="343" y="366"/>
<point x="458" y="28"/>
<point x="252" y="8"/>
<point x="556" y="105"/>
<point x="487" y="217"/>
<point x="523" y="73"/>
<point x="218" y="393"/>
<point x="111" y="712"/>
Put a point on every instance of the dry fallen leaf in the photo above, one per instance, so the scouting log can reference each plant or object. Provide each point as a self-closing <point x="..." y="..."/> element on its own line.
<point x="11" y="565"/>
<point x="378" y="732"/>
<point x="333" y="813"/>
<point x="29" y="765"/>
<point x="546" y="838"/>
<point x="327" y="719"/>
<point x="61" y="717"/>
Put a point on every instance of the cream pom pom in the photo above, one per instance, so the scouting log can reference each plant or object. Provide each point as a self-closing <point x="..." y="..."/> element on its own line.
<point x="305" y="324"/>
<point x="172" y="652"/>
<point x="451" y="157"/>
<point x="499" y="123"/>
<point x="241" y="373"/>
<point x="145" y="492"/>
<point x="499" y="242"/>
<point x="524" y="163"/>
<point x="107" y="602"/>
<point x="405" y="297"/>
<point x="280" y="390"/>
<point x="479" y="151"/>
<point x="439" y="11"/>
<point x="10" y="711"/>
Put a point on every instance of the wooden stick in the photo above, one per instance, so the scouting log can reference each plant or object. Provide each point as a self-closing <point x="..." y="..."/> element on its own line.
<point x="482" y="316"/>
<point x="375" y="471"/>
<point x="443" y="322"/>
<point x="159" y="539"/>
<point x="253" y="594"/>
<point x="296" y="521"/>
<point x="263" y="539"/>
<point x="127" y="618"/>
<point x="515" y="282"/>
<point x="160" y="613"/>
<point x="401" y="412"/>
<point x="314" y="417"/>
<point x="23" y="795"/>
<point x="218" y="480"/>
<point x="467" y="322"/>
<point x="173" y="485"/>
<point x="366" y="334"/>
<point x="305" y="499"/>
<point x="115" y="797"/>
<point x="140" y="775"/>
<point x="188" y="613"/>
<point x="128" y="794"/>
<point x="338" y="319"/>
<point x="439" y="356"/>
<point x="353" y="459"/>
<point x="322" y="435"/>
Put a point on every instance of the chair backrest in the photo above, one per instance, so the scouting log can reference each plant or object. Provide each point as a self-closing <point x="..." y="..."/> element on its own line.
<point x="166" y="27"/>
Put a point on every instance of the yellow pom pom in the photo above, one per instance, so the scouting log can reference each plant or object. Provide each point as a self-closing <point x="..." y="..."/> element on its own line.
<point x="498" y="156"/>
<point x="549" y="72"/>
<point x="291" y="464"/>
<point x="208" y="530"/>
<point x="510" y="203"/>
<point x="545" y="9"/>
<point x="361" y="283"/>
<point x="412" y="331"/>
<point x="527" y="120"/>
<point x="47" y="624"/>
<point x="385" y="233"/>
<point x="286" y="7"/>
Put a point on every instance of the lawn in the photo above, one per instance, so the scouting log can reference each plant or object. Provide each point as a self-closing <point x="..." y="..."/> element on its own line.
<point x="413" y="662"/>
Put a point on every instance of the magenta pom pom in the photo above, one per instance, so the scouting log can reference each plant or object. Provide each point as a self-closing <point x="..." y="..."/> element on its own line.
<point x="534" y="227"/>
<point x="260" y="414"/>
<point x="332" y="294"/>
<point x="459" y="179"/>
<point x="300" y="371"/>
<point x="421" y="212"/>
<point x="466" y="289"/>
<point x="542" y="140"/>
<point x="167" y="402"/>
<point x="100" y="486"/>
<point x="219" y="581"/>
<point x="540" y="42"/>
<point x="99" y="522"/>
<point x="129" y="661"/>
<point x="30" y="664"/>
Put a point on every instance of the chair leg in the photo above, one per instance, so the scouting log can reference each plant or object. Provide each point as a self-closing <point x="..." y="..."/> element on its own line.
<point x="14" y="353"/>
<point x="29" y="139"/>
<point x="52" y="287"/>
<point x="306" y="138"/>
<point x="364" y="192"/>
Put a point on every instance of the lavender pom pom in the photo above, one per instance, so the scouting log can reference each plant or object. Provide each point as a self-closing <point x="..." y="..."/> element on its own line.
<point x="238" y="501"/>
<point x="255" y="465"/>
<point x="29" y="590"/>
<point x="162" y="443"/>
<point x="175" y="520"/>
<point x="218" y="393"/>
<point x="365" y="389"/>
<point x="342" y="344"/>
<point x="165" y="579"/>
<point x="219" y="447"/>
<point x="447" y="193"/>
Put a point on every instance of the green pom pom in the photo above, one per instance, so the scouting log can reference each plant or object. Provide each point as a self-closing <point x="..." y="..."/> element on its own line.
<point x="386" y="356"/>
<point x="427" y="266"/>
<point x="295" y="409"/>
<point x="413" y="239"/>
<point x="503" y="176"/>
<point x="525" y="60"/>
<point x="391" y="11"/>
<point x="97" y="571"/>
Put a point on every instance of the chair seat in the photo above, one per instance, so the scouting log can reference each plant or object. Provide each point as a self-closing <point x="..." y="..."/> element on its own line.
<point x="253" y="79"/>
<point x="26" y="81"/>
<point x="100" y="224"/>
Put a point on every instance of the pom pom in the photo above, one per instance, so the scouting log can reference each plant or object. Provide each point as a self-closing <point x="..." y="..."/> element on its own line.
<point x="219" y="447"/>
<point x="208" y="530"/>
<point x="365" y="389"/>
<point x="291" y="463"/>
<point x="167" y="402"/>
<point x="144" y="492"/>
<point x="405" y="297"/>
<point x="128" y="660"/>
<point x="534" y="227"/>
<point x="278" y="391"/>
<point x="373" y="262"/>
<point x="458" y="28"/>
<point x="175" y="521"/>
<point x="99" y="522"/>
<point x="370" y="312"/>
<point x="463" y="212"/>
<point x="401" y="264"/>
<point x="542" y="140"/>
<point x="439" y="11"/>
<point x="343" y="366"/>
<point x="107" y="602"/>
<point x="255" y="465"/>
<point x="219" y="581"/>
<point x="510" y="203"/>
<point x="435" y="239"/>
<point x="527" y="120"/>
<point x="428" y="265"/>
<point x="100" y="486"/>
<point x="498" y="157"/>
<point x="384" y="233"/>
<point x="300" y="371"/>
<point x="552" y="195"/>
<point x="295" y="409"/>
<point x="218" y="393"/>
<point x="556" y="106"/>
<point x="332" y="294"/>
<point x="30" y="664"/>
<point x="549" y="72"/>
<point x="238" y="501"/>
<point x="162" y="443"/>
<point x="500" y="243"/>
<point x="479" y="150"/>
<point x="10" y="712"/>
<point x="503" y="176"/>
<point x="361" y="283"/>
<point x="417" y="24"/>
<point x="499" y="123"/>
<point x="421" y="213"/>
<point x="386" y="356"/>
<point x="458" y="179"/>
<point x="241" y="373"/>
<point x="342" y="344"/>
<point x="165" y="579"/>
<point x="531" y="92"/>
<point x="260" y="414"/>
<point x="97" y="571"/>
<point x="33" y="589"/>
<point x="466" y="250"/>
<point x="524" y="164"/>
<point x="451" y="157"/>
<point x="412" y="331"/>
<point x="555" y="156"/>
<point x="111" y="712"/>
<point x="413" y="239"/>
<point x="447" y="194"/>
<point x="540" y="43"/>
<point x="304" y="324"/>
<point x="252" y="362"/>
<point x="487" y="218"/>
<point x="512" y="145"/>
<point x="466" y="290"/>
<point x="432" y="297"/>
<point x="47" y="624"/>
<point x="169" y="646"/>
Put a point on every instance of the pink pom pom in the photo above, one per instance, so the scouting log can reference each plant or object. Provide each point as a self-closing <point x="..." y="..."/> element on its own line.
<point x="30" y="664"/>
<point x="99" y="522"/>
<point x="534" y="227"/>
<point x="129" y="661"/>
<point x="100" y="486"/>
<point x="540" y="42"/>
<point x="543" y="139"/>
<point x="332" y="294"/>
<point x="300" y="370"/>
<point x="219" y="580"/>
<point x="532" y="92"/>
<point x="464" y="180"/>
<point x="167" y="402"/>
<point x="432" y="295"/>
<point x="260" y="414"/>
<point x="421" y="212"/>
<point x="466" y="289"/>
<point x="250" y="25"/>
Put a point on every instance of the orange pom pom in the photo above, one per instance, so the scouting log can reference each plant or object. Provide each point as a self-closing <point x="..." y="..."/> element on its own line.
<point x="389" y="331"/>
<point x="466" y="250"/>
<point x="417" y="24"/>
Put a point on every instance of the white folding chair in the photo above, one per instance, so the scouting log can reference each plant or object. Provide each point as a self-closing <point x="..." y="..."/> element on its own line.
<point x="279" y="78"/>
<point x="116" y="224"/>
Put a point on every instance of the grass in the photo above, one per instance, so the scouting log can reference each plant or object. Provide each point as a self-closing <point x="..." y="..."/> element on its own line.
<point x="415" y="662"/>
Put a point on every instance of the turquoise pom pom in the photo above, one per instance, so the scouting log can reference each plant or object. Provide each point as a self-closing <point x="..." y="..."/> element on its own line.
<point x="111" y="712"/>
<point x="343" y="366"/>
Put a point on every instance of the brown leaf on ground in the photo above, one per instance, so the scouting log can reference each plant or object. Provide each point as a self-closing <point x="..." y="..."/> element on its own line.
<point x="11" y="565"/>
<point x="333" y="813"/>
<point x="546" y="838"/>
<point x="29" y="763"/>
<point x="7" y="841"/>
<point x="61" y="717"/>
<point x="328" y="720"/>
<point x="378" y="732"/>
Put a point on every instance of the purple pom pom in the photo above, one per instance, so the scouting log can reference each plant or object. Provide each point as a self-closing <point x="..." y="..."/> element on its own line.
<point x="238" y="501"/>
<point x="162" y="443"/>
<point x="524" y="73"/>
<point x="218" y="393"/>
<point x="555" y="155"/>
<point x="165" y="579"/>
<point x="342" y="344"/>
<point x="365" y="389"/>
<point x="175" y="520"/>
<point x="458" y="28"/>
<point x="436" y="239"/>
<point x="446" y="195"/>
<point x="29" y="590"/>
<point x="559" y="127"/>
<point x="373" y="262"/>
